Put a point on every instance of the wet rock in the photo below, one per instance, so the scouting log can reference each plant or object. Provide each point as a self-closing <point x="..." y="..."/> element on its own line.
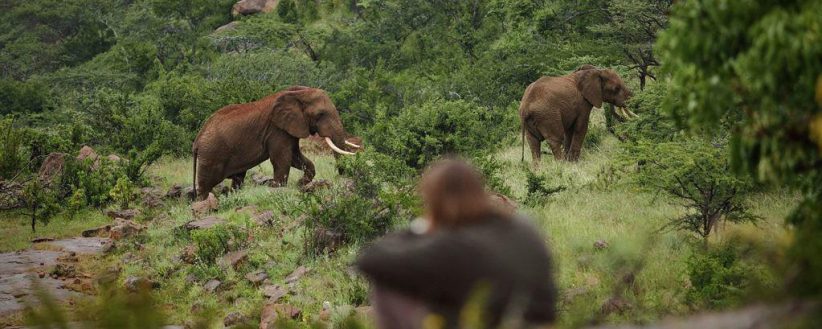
<point x="233" y="318"/>
<point x="212" y="285"/>
<point x="123" y="213"/>
<point x="52" y="166"/>
<point x="256" y="277"/>
<point x="124" y="229"/>
<point x="83" y="246"/>
<point x="600" y="245"/>
<point x="206" y="206"/>
<point x="136" y="284"/>
<point x="234" y="259"/>
<point x="274" y="292"/>
<point x="315" y="186"/>
<point x="204" y="223"/>
<point x="249" y="7"/>
<point x="297" y="274"/>
<point x="616" y="305"/>
<point x="265" y="218"/>
<point x="272" y="312"/>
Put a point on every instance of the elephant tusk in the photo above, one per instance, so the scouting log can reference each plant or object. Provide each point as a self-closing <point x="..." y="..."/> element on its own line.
<point x="631" y="113"/>
<point x="352" y="145"/>
<point x="620" y="112"/>
<point x="335" y="148"/>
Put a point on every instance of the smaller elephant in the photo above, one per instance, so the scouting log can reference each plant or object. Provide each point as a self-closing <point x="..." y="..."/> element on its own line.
<point x="240" y="136"/>
<point x="557" y="109"/>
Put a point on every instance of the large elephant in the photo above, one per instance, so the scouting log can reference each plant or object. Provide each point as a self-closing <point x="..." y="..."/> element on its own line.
<point x="240" y="136"/>
<point x="557" y="109"/>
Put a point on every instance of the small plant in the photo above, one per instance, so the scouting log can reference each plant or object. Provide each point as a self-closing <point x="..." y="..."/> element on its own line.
<point x="538" y="188"/>
<point x="41" y="201"/>
<point x="123" y="192"/>
<point x="217" y="241"/>
<point x="76" y="201"/>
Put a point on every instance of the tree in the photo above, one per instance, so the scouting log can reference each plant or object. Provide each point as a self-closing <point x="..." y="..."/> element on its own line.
<point x="754" y="66"/>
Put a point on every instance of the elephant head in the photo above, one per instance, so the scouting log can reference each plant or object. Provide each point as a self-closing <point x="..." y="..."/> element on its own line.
<point x="302" y="111"/>
<point x="598" y="86"/>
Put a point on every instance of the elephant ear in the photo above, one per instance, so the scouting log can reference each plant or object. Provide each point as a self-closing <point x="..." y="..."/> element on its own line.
<point x="288" y="114"/>
<point x="589" y="83"/>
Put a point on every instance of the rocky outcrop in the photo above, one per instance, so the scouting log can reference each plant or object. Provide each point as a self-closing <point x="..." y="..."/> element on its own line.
<point x="250" y="7"/>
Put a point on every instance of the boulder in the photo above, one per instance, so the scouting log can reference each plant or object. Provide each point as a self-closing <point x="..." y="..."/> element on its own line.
<point x="175" y="192"/>
<point x="272" y="312"/>
<point x="204" y="223"/>
<point x="136" y="284"/>
<point x="123" y="228"/>
<point x="113" y="158"/>
<point x="123" y="213"/>
<point x="206" y="206"/>
<point x="233" y="318"/>
<point x="86" y="152"/>
<point x="250" y="7"/>
<point x="297" y="274"/>
<point x="315" y="186"/>
<point x="256" y="277"/>
<point x="52" y="166"/>
<point x="212" y="285"/>
<point x="265" y="218"/>
<point x="274" y="292"/>
<point x="234" y="259"/>
<point x="152" y="197"/>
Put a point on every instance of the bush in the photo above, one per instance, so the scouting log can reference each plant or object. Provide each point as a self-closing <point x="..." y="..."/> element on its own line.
<point x="696" y="174"/>
<point x="12" y="161"/>
<point x="724" y="276"/>
<point x="539" y="188"/>
<point x="97" y="180"/>
<point x="425" y="132"/>
<point x="491" y="169"/>
<point x="215" y="242"/>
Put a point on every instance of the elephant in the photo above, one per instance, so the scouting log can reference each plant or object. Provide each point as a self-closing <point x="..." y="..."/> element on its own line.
<point x="238" y="137"/>
<point x="557" y="109"/>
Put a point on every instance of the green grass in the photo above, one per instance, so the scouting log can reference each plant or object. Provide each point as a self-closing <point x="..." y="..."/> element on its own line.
<point x="16" y="227"/>
<point x="591" y="209"/>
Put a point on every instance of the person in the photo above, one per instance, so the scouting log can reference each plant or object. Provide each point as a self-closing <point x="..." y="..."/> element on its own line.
<point x="466" y="252"/>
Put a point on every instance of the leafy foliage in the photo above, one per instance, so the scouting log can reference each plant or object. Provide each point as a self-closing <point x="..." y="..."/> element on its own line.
<point x="719" y="78"/>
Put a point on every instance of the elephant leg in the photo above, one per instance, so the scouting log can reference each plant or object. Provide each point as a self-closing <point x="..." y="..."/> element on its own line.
<point x="556" y="147"/>
<point x="533" y="143"/>
<point x="208" y="176"/>
<point x="580" y="130"/>
<point x="281" y="161"/>
<point x="300" y="162"/>
<point x="237" y="180"/>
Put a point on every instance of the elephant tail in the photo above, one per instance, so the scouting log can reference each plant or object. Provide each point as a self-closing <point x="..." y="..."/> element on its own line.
<point x="194" y="181"/>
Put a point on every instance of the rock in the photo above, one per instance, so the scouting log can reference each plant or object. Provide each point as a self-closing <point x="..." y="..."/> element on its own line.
<point x="206" y="206"/>
<point x="189" y="255"/>
<point x="249" y="7"/>
<point x="212" y="285"/>
<point x="204" y="223"/>
<point x="52" y="166"/>
<point x="234" y="259"/>
<point x="124" y="213"/>
<point x="63" y="271"/>
<point x="136" y="284"/>
<point x="152" y="197"/>
<point x="274" y="292"/>
<point x="113" y="158"/>
<point x="86" y="152"/>
<point x="124" y="229"/>
<point x="315" y="186"/>
<point x="297" y="274"/>
<point x="102" y="231"/>
<point x="615" y="305"/>
<point x="262" y="179"/>
<point x="265" y="218"/>
<point x="228" y="27"/>
<point x="233" y="318"/>
<point x="174" y="192"/>
<point x="272" y="312"/>
<point x="600" y="244"/>
<point x="256" y="277"/>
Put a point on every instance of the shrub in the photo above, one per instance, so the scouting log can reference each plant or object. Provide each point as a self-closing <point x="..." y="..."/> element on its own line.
<point x="217" y="241"/>
<point x="492" y="169"/>
<point x="425" y="132"/>
<point x="96" y="180"/>
<point x="11" y="154"/>
<point x="724" y="276"/>
<point x="539" y="188"/>
<point x="696" y="174"/>
<point x="122" y="192"/>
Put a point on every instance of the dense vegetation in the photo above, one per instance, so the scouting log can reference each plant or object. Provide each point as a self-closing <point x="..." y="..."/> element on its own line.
<point x="721" y="139"/>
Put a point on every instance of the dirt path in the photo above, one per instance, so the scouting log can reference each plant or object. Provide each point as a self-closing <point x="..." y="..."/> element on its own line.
<point x="51" y="265"/>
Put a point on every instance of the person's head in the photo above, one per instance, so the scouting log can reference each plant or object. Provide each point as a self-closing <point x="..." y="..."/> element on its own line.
<point x="454" y="195"/>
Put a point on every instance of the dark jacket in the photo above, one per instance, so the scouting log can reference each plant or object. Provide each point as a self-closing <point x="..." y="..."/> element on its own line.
<point x="446" y="268"/>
